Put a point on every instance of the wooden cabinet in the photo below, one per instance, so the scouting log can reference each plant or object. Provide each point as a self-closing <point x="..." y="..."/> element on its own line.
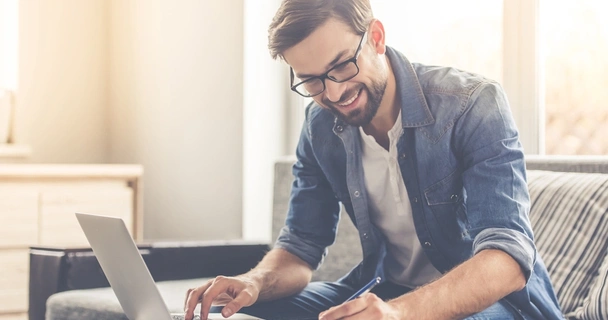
<point x="13" y="280"/>
<point x="37" y="206"/>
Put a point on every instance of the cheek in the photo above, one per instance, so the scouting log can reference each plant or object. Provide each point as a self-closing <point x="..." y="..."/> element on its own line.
<point x="371" y="69"/>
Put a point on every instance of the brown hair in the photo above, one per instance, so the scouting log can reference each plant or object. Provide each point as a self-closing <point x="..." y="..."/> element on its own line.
<point x="297" y="19"/>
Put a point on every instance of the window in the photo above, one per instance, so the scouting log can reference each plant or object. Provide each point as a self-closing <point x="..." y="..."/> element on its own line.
<point x="574" y="36"/>
<point x="446" y="33"/>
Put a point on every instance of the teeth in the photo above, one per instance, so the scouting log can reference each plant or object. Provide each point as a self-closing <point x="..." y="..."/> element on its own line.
<point x="349" y="100"/>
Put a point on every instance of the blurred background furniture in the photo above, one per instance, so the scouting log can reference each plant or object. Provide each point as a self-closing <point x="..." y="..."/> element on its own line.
<point x="37" y="205"/>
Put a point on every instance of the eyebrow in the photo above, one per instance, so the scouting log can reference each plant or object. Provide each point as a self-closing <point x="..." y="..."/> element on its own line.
<point x="329" y="65"/>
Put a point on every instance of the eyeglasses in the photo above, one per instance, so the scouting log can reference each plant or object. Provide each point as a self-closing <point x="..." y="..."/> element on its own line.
<point x="341" y="72"/>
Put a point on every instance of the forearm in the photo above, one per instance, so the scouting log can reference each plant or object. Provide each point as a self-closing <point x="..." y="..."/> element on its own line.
<point x="279" y="274"/>
<point x="467" y="289"/>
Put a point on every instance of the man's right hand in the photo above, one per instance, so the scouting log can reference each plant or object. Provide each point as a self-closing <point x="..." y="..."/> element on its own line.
<point x="233" y="292"/>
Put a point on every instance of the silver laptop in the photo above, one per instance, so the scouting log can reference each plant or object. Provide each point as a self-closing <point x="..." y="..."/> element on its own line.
<point x="126" y="271"/>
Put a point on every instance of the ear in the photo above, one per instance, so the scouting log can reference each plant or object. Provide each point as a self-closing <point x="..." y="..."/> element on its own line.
<point x="378" y="36"/>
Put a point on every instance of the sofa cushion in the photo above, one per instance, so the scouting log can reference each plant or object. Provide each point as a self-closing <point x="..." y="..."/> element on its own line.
<point x="102" y="304"/>
<point x="569" y="215"/>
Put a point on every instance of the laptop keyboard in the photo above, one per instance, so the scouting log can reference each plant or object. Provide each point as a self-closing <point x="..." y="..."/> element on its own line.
<point x="213" y="316"/>
<point x="181" y="317"/>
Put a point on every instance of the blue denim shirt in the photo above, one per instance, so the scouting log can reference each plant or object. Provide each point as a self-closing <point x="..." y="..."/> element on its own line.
<point x="463" y="167"/>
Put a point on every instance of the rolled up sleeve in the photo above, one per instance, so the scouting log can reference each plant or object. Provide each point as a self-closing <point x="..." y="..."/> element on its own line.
<point x="309" y="251"/>
<point x="519" y="246"/>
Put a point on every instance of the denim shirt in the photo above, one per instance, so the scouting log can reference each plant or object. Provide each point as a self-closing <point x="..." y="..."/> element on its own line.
<point x="463" y="167"/>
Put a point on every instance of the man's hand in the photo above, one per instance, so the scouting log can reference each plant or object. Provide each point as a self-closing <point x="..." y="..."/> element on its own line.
<point x="233" y="292"/>
<point x="368" y="306"/>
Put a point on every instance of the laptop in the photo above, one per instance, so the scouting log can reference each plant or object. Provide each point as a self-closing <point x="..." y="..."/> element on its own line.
<point x="126" y="271"/>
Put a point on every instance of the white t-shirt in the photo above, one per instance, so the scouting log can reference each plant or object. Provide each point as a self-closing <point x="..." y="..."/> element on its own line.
<point x="406" y="263"/>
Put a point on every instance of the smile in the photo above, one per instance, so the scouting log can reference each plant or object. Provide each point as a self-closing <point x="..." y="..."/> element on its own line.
<point x="351" y="100"/>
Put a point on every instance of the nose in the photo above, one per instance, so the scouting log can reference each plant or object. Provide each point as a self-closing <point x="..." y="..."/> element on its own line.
<point x="334" y="90"/>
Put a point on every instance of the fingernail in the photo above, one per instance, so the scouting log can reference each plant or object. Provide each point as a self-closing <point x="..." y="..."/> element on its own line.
<point x="227" y="312"/>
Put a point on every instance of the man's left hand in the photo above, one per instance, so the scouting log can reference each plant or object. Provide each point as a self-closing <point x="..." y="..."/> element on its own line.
<point x="366" y="307"/>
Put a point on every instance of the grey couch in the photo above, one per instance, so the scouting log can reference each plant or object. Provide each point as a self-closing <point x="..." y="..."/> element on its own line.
<point x="569" y="215"/>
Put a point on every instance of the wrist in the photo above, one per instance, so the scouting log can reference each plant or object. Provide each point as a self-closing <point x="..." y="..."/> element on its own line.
<point x="398" y="305"/>
<point x="260" y="281"/>
<point x="252" y="280"/>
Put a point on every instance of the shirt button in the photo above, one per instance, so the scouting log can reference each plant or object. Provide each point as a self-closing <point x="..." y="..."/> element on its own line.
<point x="454" y="197"/>
<point x="427" y="244"/>
<point x="415" y="200"/>
<point x="339" y="128"/>
<point x="403" y="156"/>
<point x="357" y="194"/>
<point x="365" y="235"/>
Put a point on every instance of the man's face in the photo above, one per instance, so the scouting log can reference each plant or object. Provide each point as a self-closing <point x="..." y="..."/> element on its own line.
<point x="355" y="101"/>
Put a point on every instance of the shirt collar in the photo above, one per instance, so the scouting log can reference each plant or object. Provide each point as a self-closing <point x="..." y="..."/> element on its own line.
<point x="414" y="109"/>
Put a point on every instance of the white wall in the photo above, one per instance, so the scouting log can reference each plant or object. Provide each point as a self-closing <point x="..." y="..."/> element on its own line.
<point x="155" y="82"/>
<point x="62" y="81"/>
<point x="9" y="26"/>
<point x="175" y="98"/>
<point x="264" y="128"/>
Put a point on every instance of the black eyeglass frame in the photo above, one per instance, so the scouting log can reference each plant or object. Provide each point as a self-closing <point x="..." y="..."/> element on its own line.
<point x="326" y="74"/>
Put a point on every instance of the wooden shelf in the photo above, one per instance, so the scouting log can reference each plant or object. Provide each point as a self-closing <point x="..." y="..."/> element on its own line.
<point x="82" y="171"/>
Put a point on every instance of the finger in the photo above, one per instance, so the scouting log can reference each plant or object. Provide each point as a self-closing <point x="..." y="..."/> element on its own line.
<point x="193" y="298"/>
<point x="243" y="299"/>
<point x="220" y="285"/>
<point x="365" y="314"/>
<point x="191" y="302"/>
<point x="374" y="309"/>
<point x="344" y="310"/>
<point x="187" y="296"/>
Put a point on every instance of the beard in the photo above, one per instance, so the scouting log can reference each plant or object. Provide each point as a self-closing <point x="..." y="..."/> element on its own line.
<point x="363" y="115"/>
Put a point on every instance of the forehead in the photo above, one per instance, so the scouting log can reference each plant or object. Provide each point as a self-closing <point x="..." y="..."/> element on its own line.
<point x="313" y="54"/>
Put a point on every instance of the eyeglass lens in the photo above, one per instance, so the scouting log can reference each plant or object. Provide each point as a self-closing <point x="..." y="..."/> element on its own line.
<point x="340" y="73"/>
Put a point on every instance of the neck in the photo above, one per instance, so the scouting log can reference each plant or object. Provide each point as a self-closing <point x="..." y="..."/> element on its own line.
<point x="388" y="110"/>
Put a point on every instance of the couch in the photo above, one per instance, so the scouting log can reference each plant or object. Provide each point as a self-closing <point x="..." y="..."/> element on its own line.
<point x="569" y="215"/>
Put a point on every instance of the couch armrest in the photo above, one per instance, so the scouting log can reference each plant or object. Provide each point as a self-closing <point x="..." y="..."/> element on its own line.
<point x="54" y="269"/>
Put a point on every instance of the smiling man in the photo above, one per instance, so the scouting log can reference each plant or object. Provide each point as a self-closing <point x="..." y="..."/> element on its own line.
<point x="428" y="165"/>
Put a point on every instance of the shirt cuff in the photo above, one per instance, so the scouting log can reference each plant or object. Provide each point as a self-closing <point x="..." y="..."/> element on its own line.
<point x="516" y="244"/>
<point x="302" y="248"/>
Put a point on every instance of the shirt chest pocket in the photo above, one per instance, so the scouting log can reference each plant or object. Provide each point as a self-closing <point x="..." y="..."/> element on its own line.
<point x="446" y="201"/>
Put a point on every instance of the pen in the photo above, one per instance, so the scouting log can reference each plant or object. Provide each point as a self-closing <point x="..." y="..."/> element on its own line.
<point x="365" y="289"/>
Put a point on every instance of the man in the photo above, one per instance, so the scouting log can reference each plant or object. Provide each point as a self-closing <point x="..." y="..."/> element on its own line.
<point x="428" y="165"/>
